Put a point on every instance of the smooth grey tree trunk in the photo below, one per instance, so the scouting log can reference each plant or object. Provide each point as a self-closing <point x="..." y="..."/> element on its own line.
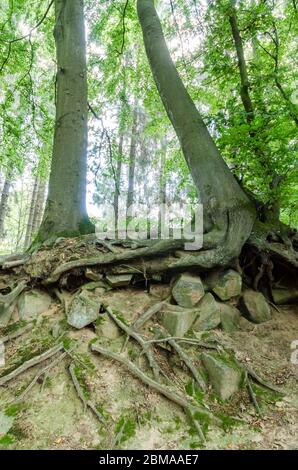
<point x="65" y="212"/>
<point x="4" y="203"/>
<point x="226" y="207"/>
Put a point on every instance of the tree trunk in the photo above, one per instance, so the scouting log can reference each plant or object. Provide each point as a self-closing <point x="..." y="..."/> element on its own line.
<point x="65" y="213"/>
<point x="271" y="211"/>
<point x="39" y="206"/>
<point x="244" y="92"/>
<point x="228" y="214"/>
<point x="29" y="230"/>
<point x="132" y="161"/>
<point x="118" y="180"/>
<point x="4" y="203"/>
<point x="162" y="197"/>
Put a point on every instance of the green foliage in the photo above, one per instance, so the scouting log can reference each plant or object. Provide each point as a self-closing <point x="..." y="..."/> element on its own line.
<point x="119" y="77"/>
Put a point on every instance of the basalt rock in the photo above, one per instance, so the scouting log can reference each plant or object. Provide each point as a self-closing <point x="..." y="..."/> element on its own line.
<point x="255" y="306"/>
<point x="33" y="303"/>
<point x="223" y="374"/>
<point x="83" y="310"/>
<point x="188" y="290"/>
<point x="229" y="317"/>
<point x="208" y="314"/>
<point x="120" y="280"/>
<point x="176" y="320"/>
<point x="226" y="284"/>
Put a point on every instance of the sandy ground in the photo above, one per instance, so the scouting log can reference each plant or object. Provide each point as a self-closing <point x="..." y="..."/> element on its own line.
<point x="51" y="416"/>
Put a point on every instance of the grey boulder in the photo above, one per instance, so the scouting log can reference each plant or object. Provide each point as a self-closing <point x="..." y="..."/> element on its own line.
<point x="255" y="306"/>
<point x="224" y="376"/>
<point x="188" y="290"/>
<point x="208" y="314"/>
<point x="83" y="310"/>
<point x="33" y="303"/>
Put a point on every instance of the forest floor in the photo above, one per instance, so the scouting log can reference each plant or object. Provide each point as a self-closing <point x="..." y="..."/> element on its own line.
<point x="51" y="415"/>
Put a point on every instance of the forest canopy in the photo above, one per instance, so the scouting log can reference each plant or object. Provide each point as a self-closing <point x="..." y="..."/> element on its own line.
<point x="248" y="105"/>
<point x="148" y="224"/>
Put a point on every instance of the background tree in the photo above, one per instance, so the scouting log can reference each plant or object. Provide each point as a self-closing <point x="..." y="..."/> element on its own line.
<point x="65" y="212"/>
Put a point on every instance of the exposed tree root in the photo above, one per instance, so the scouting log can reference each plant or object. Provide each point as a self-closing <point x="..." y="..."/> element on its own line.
<point x="145" y="346"/>
<point x="252" y="395"/>
<point x="193" y="341"/>
<point x="31" y="363"/>
<point x="8" y="299"/>
<point x="165" y="256"/>
<point x="262" y="382"/>
<point x="149" y="313"/>
<point x="12" y="261"/>
<point x="16" y="334"/>
<point x="78" y="388"/>
<point x="189" y="408"/>
<point x="39" y="374"/>
<point x="184" y="357"/>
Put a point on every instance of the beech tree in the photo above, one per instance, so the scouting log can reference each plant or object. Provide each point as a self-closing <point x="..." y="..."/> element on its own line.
<point x="4" y="202"/>
<point x="228" y="213"/>
<point x="65" y="212"/>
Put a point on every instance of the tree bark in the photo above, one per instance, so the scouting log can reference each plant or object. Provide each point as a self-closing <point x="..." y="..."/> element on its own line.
<point x="39" y="206"/>
<point x="162" y="196"/>
<point x="271" y="211"/>
<point x="132" y="161"/>
<point x="118" y="180"/>
<point x="227" y="211"/>
<point x="4" y="203"/>
<point x="29" y="229"/>
<point x="244" y="91"/>
<point x="65" y="213"/>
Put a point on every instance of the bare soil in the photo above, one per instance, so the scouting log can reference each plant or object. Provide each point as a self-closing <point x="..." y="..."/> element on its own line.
<point x="52" y="416"/>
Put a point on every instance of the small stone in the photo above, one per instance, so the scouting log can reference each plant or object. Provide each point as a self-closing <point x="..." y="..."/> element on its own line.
<point x="177" y="321"/>
<point x="83" y="310"/>
<point x="208" y="314"/>
<point x="225" y="284"/>
<point x="285" y="296"/>
<point x="119" y="280"/>
<point x="188" y="290"/>
<point x="255" y="306"/>
<point x="229" y="317"/>
<point x="92" y="275"/>
<point x="94" y="285"/>
<point x="224" y="376"/>
<point x="107" y="328"/>
<point x="33" y="303"/>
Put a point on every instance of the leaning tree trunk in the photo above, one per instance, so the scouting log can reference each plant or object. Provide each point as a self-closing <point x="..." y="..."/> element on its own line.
<point x="228" y="214"/>
<point x="65" y="213"/>
<point x="4" y="203"/>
